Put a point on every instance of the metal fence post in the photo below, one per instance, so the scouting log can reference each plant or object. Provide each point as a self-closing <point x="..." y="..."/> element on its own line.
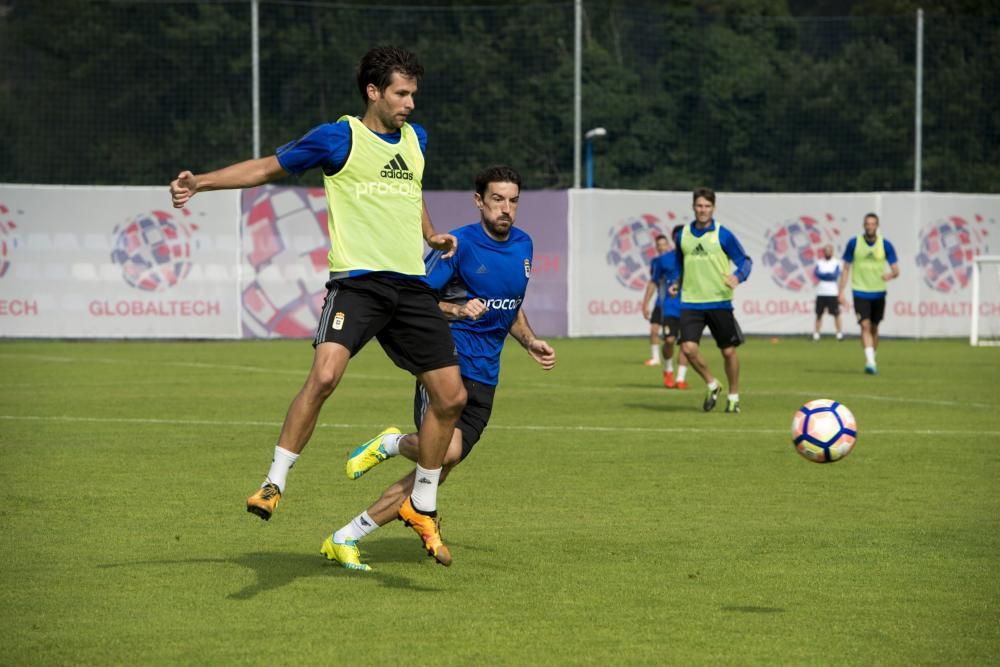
<point x="577" y="89"/>
<point x="919" y="104"/>
<point x="255" y="58"/>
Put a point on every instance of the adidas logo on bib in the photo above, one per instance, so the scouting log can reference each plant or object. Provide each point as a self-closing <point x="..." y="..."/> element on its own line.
<point x="396" y="168"/>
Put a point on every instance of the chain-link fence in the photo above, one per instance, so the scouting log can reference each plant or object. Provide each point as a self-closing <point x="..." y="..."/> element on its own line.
<point x="130" y="92"/>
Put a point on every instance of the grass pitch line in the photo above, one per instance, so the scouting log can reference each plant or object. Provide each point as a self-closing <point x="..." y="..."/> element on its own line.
<point x="499" y="427"/>
<point x="178" y="364"/>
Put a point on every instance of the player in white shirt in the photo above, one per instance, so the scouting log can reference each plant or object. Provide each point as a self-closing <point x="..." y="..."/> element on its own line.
<point x="827" y="271"/>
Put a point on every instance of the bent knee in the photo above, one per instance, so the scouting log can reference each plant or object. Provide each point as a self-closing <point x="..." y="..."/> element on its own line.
<point x="322" y="381"/>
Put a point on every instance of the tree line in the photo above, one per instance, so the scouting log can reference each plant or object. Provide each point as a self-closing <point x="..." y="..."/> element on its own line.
<point x="754" y="96"/>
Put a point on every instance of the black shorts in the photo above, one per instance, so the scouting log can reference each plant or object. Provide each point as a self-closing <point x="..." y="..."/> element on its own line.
<point x="474" y="418"/>
<point x="402" y="313"/>
<point x="869" y="309"/>
<point x="671" y="327"/>
<point x="657" y="316"/>
<point x="720" y="321"/>
<point x="827" y="303"/>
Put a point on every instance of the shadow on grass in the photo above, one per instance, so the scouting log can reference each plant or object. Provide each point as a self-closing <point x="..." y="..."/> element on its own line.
<point x="276" y="570"/>
<point x="755" y="610"/>
<point x="666" y="407"/>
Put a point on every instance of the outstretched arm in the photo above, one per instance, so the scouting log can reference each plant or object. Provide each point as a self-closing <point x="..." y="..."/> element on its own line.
<point x="539" y="350"/>
<point x="246" y="174"/>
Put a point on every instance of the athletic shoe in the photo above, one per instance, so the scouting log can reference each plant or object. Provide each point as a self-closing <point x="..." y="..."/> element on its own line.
<point x="870" y="369"/>
<point x="815" y="336"/>
<point x="651" y="362"/>
<point x="682" y="384"/>
<point x="347" y="554"/>
<point x="368" y="455"/>
<point x="668" y="379"/>
<point x="711" y="396"/>
<point x="733" y="406"/>
<point x="840" y="336"/>
<point x="428" y="527"/>
<point x="264" y="501"/>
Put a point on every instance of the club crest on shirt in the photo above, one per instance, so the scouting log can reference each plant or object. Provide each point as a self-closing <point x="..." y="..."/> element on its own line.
<point x="527" y="267"/>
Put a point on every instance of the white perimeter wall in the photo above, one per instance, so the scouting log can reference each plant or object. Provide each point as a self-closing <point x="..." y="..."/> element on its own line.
<point x="935" y="236"/>
<point x="81" y="262"/>
<point x="120" y="262"/>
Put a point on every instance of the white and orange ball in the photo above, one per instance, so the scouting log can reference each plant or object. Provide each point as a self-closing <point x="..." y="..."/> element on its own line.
<point x="824" y="431"/>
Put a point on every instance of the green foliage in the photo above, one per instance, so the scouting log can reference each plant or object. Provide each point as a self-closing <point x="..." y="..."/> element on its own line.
<point x="766" y="95"/>
<point x="601" y="520"/>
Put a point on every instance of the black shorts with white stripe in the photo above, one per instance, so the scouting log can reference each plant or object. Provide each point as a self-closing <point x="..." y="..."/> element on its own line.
<point x="401" y="312"/>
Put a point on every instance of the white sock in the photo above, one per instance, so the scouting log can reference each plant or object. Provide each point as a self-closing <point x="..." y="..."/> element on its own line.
<point x="669" y="365"/>
<point x="391" y="443"/>
<point x="714" y="384"/>
<point x="682" y="371"/>
<point x="280" y="465"/>
<point x="733" y="397"/>
<point x="654" y="352"/>
<point x="425" y="489"/>
<point x="870" y="355"/>
<point x="360" y="526"/>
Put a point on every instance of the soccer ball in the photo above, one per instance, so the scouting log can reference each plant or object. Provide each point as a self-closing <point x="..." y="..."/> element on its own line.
<point x="824" y="431"/>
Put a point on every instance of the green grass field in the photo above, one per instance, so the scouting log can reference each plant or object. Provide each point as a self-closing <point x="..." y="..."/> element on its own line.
<point x="602" y="520"/>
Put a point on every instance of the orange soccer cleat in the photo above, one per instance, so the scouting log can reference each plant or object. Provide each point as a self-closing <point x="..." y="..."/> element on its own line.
<point x="668" y="379"/>
<point x="428" y="527"/>
<point x="264" y="501"/>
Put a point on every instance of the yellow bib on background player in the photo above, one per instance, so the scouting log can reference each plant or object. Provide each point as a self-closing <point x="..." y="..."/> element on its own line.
<point x="869" y="265"/>
<point x="706" y="265"/>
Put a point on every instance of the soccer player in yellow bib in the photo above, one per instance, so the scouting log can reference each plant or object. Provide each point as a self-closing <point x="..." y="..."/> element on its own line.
<point x="705" y="251"/>
<point x="372" y="172"/>
<point x="868" y="255"/>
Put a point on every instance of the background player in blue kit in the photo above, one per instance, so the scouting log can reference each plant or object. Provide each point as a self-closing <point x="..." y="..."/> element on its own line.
<point x="482" y="287"/>
<point x="664" y="272"/>
<point x="655" y="315"/>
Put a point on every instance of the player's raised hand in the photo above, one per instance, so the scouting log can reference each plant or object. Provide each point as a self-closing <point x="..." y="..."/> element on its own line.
<point x="472" y="309"/>
<point x="183" y="188"/>
<point x="446" y="243"/>
<point x="543" y="353"/>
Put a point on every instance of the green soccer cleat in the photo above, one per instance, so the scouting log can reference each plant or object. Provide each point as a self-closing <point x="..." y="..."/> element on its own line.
<point x="711" y="396"/>
<point x="368" y="455"/>
<point x="733" y="407"/>
<point x="347" y="554"/>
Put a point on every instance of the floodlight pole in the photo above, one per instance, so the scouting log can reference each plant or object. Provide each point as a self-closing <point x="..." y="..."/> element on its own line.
<point x="918" y="116"/>
<point x="577" y="88"/>
<point x="255" y="58"/>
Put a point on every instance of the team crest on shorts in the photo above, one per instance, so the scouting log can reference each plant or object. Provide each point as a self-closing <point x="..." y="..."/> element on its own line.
<point x="338" y="321"/>
<point x="666" y="330"/>
<point x="527" y="267"/>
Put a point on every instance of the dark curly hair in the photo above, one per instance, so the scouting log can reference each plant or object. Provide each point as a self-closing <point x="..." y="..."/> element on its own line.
<point x="500" y="173"/>
<point x="378" y="65"/>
